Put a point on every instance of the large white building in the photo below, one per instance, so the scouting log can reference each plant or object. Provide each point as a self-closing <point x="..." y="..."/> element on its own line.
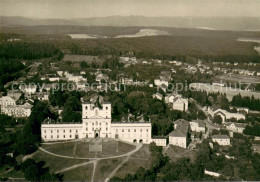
<point x="18" y="111"/>
<point x="96" y="123"/>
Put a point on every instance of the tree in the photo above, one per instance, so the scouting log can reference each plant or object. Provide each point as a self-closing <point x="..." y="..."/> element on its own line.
<point x="217" y="119"/>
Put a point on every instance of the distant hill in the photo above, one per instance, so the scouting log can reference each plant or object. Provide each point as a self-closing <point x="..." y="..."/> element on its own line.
<point x="210" y="23"/>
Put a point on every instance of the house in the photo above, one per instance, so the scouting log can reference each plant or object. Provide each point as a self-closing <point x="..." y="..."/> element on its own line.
<point x="101" y="77"/>
<point x="53" y="78"/>
<point x="82" y="72"/>
<point x="43" y="96"/>
<point x="180" y="104"/>
<point x="178" y="137"/>
<point x="235" y="127"/>
<point x="6" y="101"/>
<point x="158" y="96"/>
<point x="240" y="109"/>
<point x="29" y="89"/>
<point x="14" y="94"/>
<point x="225" y="115"/>
<point x="17" y="110"/>
<point x="159" y="82"/>
<point x="221" y="139"/>
<point x="170" y="97"/>
<point x="198" y="126"/>
<point x="60" y="73"/>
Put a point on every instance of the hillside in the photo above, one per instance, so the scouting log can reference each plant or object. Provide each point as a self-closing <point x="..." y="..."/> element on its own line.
<point x="218" y="23"/>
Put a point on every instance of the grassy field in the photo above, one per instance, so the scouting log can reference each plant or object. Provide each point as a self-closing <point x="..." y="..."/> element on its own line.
<point x="55" y="163"/>
<point x="239" y="78"/>
<point x="176" y="153"/>
<point x="105" y="167"/>
<point x="138" y="159"/>
<point x="81" y="149"/>
<point x="83" y="173"/>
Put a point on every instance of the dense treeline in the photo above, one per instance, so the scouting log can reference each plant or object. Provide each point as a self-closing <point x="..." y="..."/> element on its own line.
<point x="169" y="47"/>
<point x="70" y="102"/>
<point x="253" y="130"/>
<point x="9" y="70"/>
<point x="27" y="50"/>
<point x="250" y="102"/>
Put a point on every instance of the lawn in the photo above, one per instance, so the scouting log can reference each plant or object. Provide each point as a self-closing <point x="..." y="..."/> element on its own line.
<point x="55" y="163"/>
<point x="83" y="173"/>
<point x="176" y="153"/>
<point x="105" y="167"/>
<point x="81" y="149"/>
<point x="137" y="160"/>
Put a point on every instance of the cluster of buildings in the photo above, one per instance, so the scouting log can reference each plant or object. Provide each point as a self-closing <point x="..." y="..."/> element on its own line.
<point x="9" y="107"/>
<point x="96" y="123"/>
<point x="176" y="100"/>
<point x="224" y="114"/>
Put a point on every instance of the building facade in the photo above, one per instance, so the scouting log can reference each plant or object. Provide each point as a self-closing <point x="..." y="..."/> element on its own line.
<point x="96" y="123"/>
<point x="221" y="139"/>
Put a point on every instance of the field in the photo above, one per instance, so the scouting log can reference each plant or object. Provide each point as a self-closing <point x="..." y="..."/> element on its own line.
<point x="81" y="149"/>
<point x="138" y="159"/>
<point x="230" y="92"/>
<point x="176" y="153"/>
<point x="81" y="58"/>
<point x="83" y="173"/>
<point x="239" y="78"/>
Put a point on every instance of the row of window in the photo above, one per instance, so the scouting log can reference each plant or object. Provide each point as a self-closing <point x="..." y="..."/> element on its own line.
<point x="94" y="129"/>
<point x="58" y="131"/>
<point x="96" y="123"/>
<point x="94" y="107"/>
<point x="64" y="136"/>
<point x="147" y="130"/>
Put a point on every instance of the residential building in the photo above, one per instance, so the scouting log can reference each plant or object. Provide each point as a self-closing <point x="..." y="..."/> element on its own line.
<point x="180" y="104"/>
<point x="17" y="110"/>
<point x="14" y="94"/>
<point x="221" y="139"/>
<point x="7" y="101"/>
<point x="179" y="136"/>
<point x="225" y="115"/>
<point x="29" y="89"/>
<point x="235" y="127"/>
<point x="198" y="126"/>
<point x="158" y="96"/>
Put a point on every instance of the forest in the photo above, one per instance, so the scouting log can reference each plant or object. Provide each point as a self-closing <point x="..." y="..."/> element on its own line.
<point x="168" y="47"/>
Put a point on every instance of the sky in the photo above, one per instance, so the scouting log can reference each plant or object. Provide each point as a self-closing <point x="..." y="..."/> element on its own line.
<point x="70" y="9"/>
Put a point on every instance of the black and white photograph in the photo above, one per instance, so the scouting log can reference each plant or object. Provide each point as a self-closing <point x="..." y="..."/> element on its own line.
<point x="129" y="90"/>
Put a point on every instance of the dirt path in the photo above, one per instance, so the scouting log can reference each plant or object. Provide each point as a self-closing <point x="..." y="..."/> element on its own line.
<point x="94" y="161"/>
<point x="94" y="171"/>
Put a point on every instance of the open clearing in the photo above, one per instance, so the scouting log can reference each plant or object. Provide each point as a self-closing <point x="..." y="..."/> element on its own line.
<point x="230" y="92"/>
<point x="176" y="153"/>
<point x="139" y="159"/>
<point x="83" y="173"/>
<point x="81" y="149"/>
<point x="239" y="78"/>
<point x="73" y="160"/>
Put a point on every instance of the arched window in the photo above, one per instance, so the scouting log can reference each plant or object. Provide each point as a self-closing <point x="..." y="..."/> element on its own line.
<point x="86" y="107"/>
<point x="106" y="108"/>
<point x="96" y="123"/>
<point x="96" y="112"/>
